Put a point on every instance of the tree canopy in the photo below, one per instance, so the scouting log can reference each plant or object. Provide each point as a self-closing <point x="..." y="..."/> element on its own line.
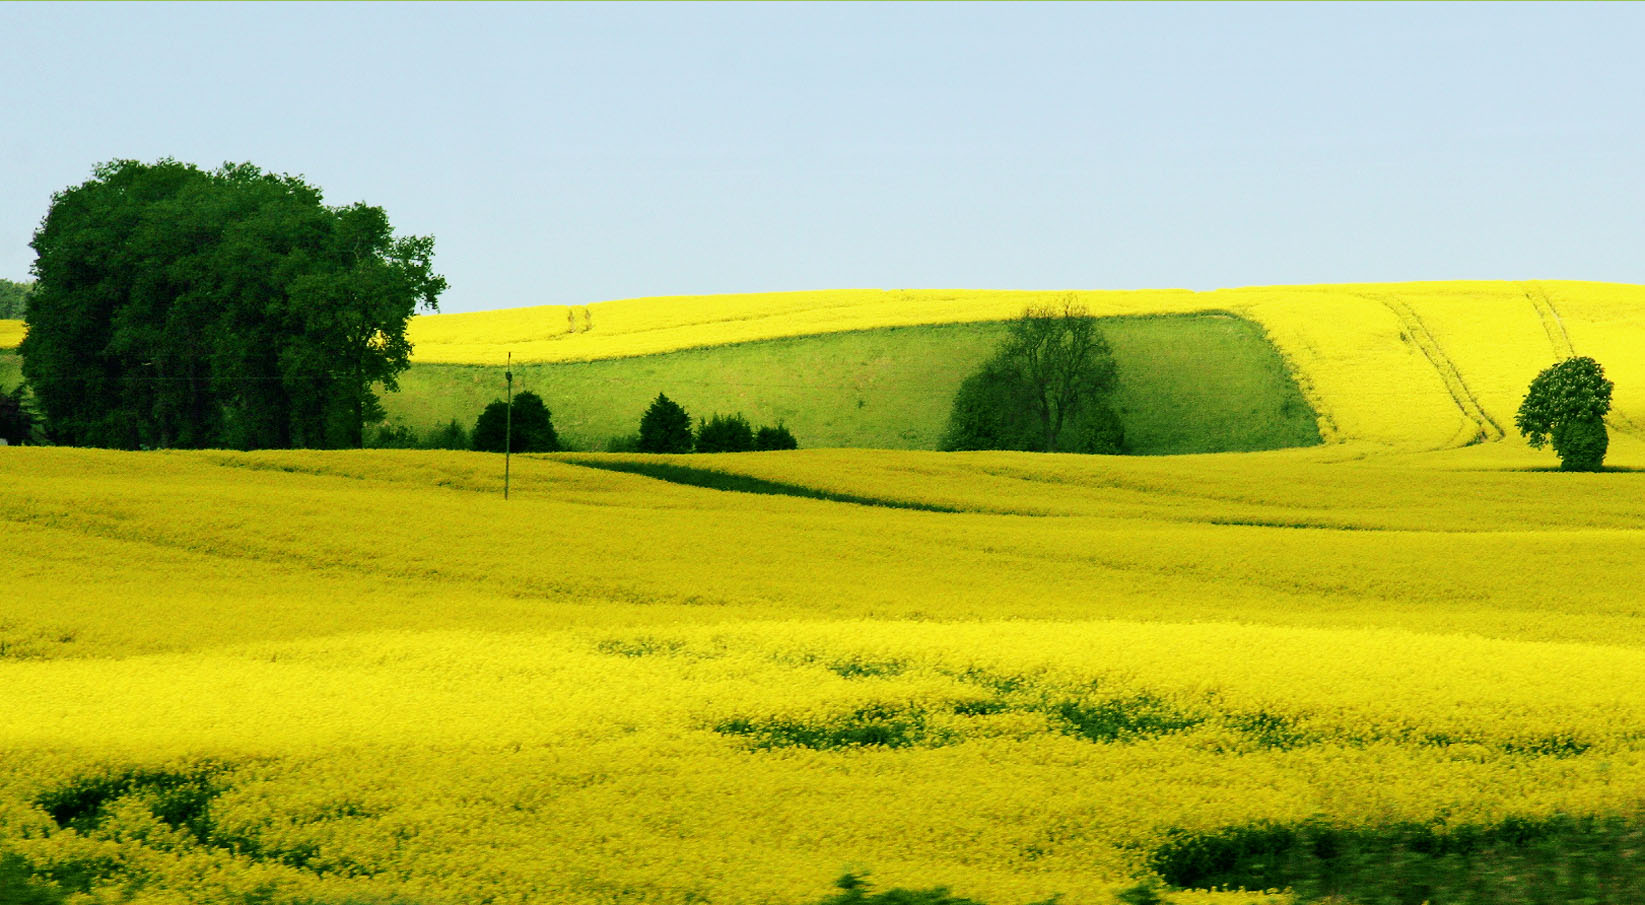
<point x="665" y="427"/>
<point x="1045" y="389"/>
<point x="775" y="438"/>
<point x="725" y="433"/>
<point x="14" y="299"/>
<point x="1566" y="404"/>
<point x="175" y="307"/>
<point x="532" y="429"/>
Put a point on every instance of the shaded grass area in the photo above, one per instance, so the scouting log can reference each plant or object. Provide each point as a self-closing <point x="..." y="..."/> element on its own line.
<point x="1187" y="384"/>
<point x="720" y="480"/>
<point x="1535" y="861"/>
<point x="11" y="369"/>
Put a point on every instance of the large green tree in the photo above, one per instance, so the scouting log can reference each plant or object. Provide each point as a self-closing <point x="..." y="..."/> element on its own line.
<point x="1063" y="360"/>
<point x="176" y="307"/>
<point x="1046" y="388"/>
<point x="1566" y="404"/>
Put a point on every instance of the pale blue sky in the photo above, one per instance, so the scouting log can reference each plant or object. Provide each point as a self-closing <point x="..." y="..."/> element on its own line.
<point x="570" y="154"/>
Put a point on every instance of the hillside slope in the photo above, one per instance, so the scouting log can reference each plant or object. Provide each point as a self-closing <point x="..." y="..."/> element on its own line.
<point x="1187" y="383"/>
<point x="1399" y="365"/>
<point x="1405" y="365"/>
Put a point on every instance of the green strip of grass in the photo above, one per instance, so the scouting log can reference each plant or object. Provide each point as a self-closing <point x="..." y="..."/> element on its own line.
<point x="1187" y="384"/>
<point x="11" y="369"/>
<point x="721" y="480"/>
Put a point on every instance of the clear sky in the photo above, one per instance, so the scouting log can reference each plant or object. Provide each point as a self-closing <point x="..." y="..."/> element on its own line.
<point x="570" y="154"/>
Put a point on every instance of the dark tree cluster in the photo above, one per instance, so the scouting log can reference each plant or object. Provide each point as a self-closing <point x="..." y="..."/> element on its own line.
<point x="1046" y="389"/>
<point x="530" y="430"/>
<point x="176" y="307"/>
<point x="17" y="419"/>
<point x="666" y="428"/>
<point x="14" y="299"/>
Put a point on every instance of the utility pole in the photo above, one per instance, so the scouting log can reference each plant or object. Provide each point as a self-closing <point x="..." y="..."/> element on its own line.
<point x="508" y="421"/>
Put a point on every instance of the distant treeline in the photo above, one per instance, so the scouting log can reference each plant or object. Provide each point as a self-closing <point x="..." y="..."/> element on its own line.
<point x="14" y="299"/>
<point x="526" y="425"/>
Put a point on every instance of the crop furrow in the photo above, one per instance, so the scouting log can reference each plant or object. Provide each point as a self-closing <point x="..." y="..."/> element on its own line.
<point x="1466" y="402"/>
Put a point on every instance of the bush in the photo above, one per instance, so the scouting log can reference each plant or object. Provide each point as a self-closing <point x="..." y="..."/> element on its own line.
<point x="665" y="428"/>
<point x="451" y="436"/>
<point x="725" y="433"/>
<point x="389" y="435"/>
<point x="532" y="428"/>
<point x="990" y="413"/>
<point x="771" y="438"/>
<point x="1095" y="430"/>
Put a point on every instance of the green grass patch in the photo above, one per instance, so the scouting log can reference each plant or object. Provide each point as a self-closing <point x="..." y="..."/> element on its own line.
<point x="1187" y="384"/>
<point x="11" y="370"/>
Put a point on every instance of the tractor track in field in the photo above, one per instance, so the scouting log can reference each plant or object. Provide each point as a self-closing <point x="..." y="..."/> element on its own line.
<point x="1466" y="402"/>
<point x="1552" y="323"/>
<point x="1560" y="339"/>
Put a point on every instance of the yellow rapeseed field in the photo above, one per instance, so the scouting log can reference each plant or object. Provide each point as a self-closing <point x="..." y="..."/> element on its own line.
<point x="363" y="676"/>
<point x="289" y="678"/>
<point x="11" y="334"/>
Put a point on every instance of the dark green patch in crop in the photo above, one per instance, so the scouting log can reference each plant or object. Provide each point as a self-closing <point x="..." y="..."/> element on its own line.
<point x="180" y="799"/>
<point x="980" y="706"/>
<point x="858" y="668"/>
<point x="855" y="890"/>
<point x="1123" y="719"/>
<point x="1558" y="859"/>
<point x="640" y="647"/>
<point x="877" y="726"/>
<point x="1268" y="730"/>
<point x="1559" y="745"/>
<point x="21" y="886"/>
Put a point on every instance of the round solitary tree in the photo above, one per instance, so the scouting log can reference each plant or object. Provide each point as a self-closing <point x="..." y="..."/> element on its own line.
<point x="1566" y="404"/>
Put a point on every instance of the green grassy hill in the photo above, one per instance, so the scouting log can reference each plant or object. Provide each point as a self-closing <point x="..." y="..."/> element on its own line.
<point x="1188" y="383"/>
